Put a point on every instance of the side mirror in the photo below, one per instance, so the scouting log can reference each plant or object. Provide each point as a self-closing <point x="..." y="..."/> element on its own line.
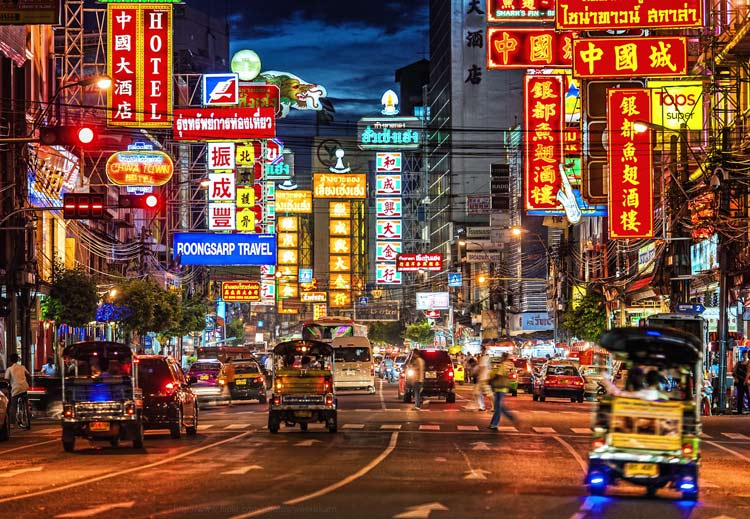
<point x="192" y="380"/>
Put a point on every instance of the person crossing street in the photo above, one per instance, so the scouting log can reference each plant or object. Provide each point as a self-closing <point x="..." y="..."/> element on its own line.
<point x="499" y="382"/>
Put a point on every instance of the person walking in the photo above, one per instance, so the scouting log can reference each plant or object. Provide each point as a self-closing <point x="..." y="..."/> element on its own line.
<point x="499" y="382"/>
<point x="482" y="386"/>
<point x="419" y="368"/>
<point x="741" y="375"/>
<point x="228" y="375"/>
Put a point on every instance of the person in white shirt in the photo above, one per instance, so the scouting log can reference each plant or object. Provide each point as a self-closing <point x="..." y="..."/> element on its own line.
<point x="16" y="374"/>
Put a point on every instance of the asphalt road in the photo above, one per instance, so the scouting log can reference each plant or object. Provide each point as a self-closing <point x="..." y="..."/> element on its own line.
<point x="387" y="461"/>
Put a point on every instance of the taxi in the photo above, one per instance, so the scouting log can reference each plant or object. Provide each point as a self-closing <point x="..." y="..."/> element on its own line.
<point x="249" y="382"/>
<point x="458" y="372"/>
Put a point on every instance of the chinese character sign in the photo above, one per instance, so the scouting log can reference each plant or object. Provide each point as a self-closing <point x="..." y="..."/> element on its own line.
<point x="514" y="48"/>
<point x="388" y="207"/>
<point x="388" y="229"/>
<point x="221" y="186"/>
<point x="387" y="250"/>
<point x="543" y="145"/>
<point x="520" y="10"/>
<point x="139" y="61"/>
<point x="386" y="274"/>
<point x="221" y="217"/>
<point x="630" y="164"/>
<point x="220" y="155"/>
<point x="388" y="184"/>
<point x="659" y="56"/>
<point x="628" y="14"/>
<point x="388" y="162"/>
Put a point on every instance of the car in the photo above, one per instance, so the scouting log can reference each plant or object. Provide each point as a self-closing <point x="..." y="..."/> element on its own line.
<point x="168" y="400"/>
<point x="458" y="372"/>
<point x="523" y="370"/>
<point x="206" y="373"/>
<point x="438" y="380"/>
<point x="387" y="370"/>
<point x="398" y="363"/>
<point x="4" y="411"/>
<point x="560" y="379"/>
<point x="593" y="376"/>
<point x="249" y="382"/>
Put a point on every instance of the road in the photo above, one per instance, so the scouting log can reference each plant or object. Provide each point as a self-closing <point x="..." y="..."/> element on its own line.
<point x="387" y="461"/>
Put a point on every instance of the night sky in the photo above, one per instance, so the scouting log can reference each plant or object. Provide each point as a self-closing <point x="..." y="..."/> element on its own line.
<point x="353" y="48"/>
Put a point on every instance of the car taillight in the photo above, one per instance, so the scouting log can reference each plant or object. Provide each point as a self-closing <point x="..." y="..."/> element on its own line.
<point x="130" y="408"/>
<point x="598" y="443"/>
<point x="687" y="449"/>
<point x="68" y="411"/>
<point x="329" y="400"/>
<point x="450" y="373"/>
<point x="169" y="386"/>
<point x="276" y="400"/>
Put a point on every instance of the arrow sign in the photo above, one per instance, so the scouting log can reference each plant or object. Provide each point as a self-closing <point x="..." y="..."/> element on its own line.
<point x="90" y="512"/>
<point x="16" y="472"/>
<point x="307" y="443"/>
<point x="480" y="446"/>
<point x="243" y="470"/>
<point x="477" y="474"/>
<point x="691" y="308"/>
<point x="420" y="511"/>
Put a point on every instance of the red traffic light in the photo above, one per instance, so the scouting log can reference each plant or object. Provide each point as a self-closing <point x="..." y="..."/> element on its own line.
<point x="83" y="206"/>
<point x="81" y="135"/>
<point x="149" y="201"/>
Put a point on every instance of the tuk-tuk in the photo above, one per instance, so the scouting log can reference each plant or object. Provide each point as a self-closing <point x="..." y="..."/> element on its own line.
<point x="649" y="436"/>
<point x="303" y="390"/>
<point x="101" y="398"/>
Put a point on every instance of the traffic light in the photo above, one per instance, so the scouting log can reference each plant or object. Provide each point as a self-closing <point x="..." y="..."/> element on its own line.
<point x="80" y="135"/>
<point x="150" y="201"/>
<point x="83" y="206"/>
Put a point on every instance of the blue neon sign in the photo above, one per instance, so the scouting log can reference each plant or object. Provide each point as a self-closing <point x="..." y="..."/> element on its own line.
<point x="224" y="249"/>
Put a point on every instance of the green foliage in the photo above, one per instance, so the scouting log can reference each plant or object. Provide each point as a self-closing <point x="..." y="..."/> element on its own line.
<point x="192" y="317"/>
<point x="236" y="328"/>
<point x="73" y="299"/>
<point x="167" y="311"/>
<point x="386" y="332"/>
<point x="140" y="297"/>
<point x="589" y="320"/>
<point x="420" y="332"/>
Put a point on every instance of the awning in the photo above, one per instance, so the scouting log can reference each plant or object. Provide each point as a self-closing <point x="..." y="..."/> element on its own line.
<point x="640" y="284"/>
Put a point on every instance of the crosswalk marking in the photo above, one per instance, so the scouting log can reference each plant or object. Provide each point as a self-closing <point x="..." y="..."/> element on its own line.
<point x="467" y="428"/>
<point x="234" y="426"/>
<point x="581" y="430"/>
<point x="544" y="430"/>
<point x="353" y="426"/>
<point x="202" y="427"/>
<point x="429" y="427"/>
<point x="507" y="428"/>
<point x="704" y="435"/>
<point x="736" y="436"/>
<point x="391" y="426"/>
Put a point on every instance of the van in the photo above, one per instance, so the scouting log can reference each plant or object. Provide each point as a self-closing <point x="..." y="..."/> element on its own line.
<point x="353" y="364"/>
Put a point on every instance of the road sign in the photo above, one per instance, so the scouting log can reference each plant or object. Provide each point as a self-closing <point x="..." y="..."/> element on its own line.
<point x="454" y="279"/>
<point x="691" y="308"/>
<point x="363" y="301"/>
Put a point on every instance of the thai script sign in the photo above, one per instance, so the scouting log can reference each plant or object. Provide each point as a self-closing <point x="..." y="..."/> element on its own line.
<point x="240" y="291"/>
<point x="294" y="202"/>
<point x="139" y="61"/>
<point x="378" y="311"/>
<point x="630" y="57"/>
<point x="417" y="262"/>
<point x="628" y="14"/>
<point x="260" y="95"/>
<point x="388" y="162"/>
<point x="631" y="202"/>
<point x="514" y="48"/>
<point x="352" y="185"/>
<point x="139" y="168"/>
<point x="313" y="297"/>
<point x="543" y="118"/>
<point x="433" y="301"/>
<point x="281" y="170"/>
<point x="200" y="124"/>
<point x="399" y="133"/>
<point x="520" y="10"/>
<point x="677" y="102"/>
<point x="224" y="249"/>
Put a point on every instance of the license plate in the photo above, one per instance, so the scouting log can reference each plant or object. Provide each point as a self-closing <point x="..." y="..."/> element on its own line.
<point x="350" y="373"/>
<point x="430" y="374"/>
<point x="240" y="382"/>
<point x="647" y="470"/>
<point x="203" y="377"/>
<point x="99" y="426"/>
<point x="303" y="414"/>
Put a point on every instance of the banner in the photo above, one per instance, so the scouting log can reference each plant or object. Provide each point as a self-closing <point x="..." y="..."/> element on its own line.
<point x="631" y="213"/>
<point x="240" y="291"/>
<point x="224" y="249"/>
<point x="659" y="56"/>
<point x="514" y="48"/>
<point x="586" y="15"/>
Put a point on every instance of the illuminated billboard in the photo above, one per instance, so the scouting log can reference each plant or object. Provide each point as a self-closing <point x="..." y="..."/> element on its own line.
<point x="631" y="202"/>
<point x="201" y="124"/>
<point x="328" y="185"/>
<point x="294" y="202"/>
<point x="520" y="10"/>
<point x="433" y="301"/>
<point x="586" y="15"/>
<point x="514" y="48"/>
<point x="139" y="168"/>
<point x="389" y="133"/>
<point x="417" y="262"/>
<point x="660" y="56"/>
<point x="677" y="102"/>
<point x="240" y="291"/>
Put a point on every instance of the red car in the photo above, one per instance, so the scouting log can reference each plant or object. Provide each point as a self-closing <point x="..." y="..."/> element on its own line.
<point x="559" y="379"/>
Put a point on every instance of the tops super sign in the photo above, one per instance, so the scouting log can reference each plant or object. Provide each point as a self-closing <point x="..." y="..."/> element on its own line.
<point x="220" y="89"/>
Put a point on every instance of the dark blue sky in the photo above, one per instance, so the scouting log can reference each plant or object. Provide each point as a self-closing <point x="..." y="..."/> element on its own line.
<point x="351" y="47"/>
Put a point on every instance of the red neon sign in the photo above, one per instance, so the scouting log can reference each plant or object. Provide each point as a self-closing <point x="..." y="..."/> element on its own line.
<point x="628" y="14"/>
<point x="513" y="48"/>
<point x="211" y="123"/>
<point x="520" y="10"/>
<point x="630" y="57"/>
<point x="417" y="262"/>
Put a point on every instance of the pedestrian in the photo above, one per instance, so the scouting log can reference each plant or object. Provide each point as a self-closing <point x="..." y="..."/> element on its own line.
<point x="482" y="387"/>
<point x="470" y="368"/>
<point x="17" y="375"/>
<point x="741" y="375"/>
<point x="227" y="373"/>
<point x="419" y="368"/>
<point x="49" y="369"/>
<point x="499" y="382"/>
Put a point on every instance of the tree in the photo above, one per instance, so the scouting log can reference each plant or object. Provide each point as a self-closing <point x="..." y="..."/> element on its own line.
<point x="420" y="332"/>
<point x="192" y="317"/>
<point x="140" y="296"/>
<point x="167" y="311"/>
<point x="236" y="329"/>
<point x="73" y="299"/>
<point x="386" y="332"/>
<point x="588" y="320"/>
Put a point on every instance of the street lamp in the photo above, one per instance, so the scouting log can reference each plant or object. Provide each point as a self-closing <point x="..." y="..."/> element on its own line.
<point x="102" y="82"/>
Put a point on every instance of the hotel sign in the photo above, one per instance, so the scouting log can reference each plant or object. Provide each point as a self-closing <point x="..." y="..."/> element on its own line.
<point x="351" y="185"/>
<point x="514" y="48"/>
<point x="659" y="56"/>
<point x="586" y="15"/>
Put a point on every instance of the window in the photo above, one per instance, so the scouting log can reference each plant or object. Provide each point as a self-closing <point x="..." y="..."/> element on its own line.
<point x="246" y="368"/>
<point x="352" y="355"/>
<point x="153" y="375"/>
<point x="563" y="371"/>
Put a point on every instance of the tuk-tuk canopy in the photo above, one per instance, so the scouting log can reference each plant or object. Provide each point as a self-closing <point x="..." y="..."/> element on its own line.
<point x="653" y="346"/>
<point x="97" y="359"/>
<point x="301" y="347"/>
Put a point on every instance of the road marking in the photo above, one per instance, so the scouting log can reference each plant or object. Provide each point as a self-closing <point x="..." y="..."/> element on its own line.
<point x="49" y="430"/>
<point x="583" y="464"/>
<point x="96" y="510"/>
<point x="202" y="427"/>
<point x="138" y="468"/>
<point x="507" y="428"/>
<point x="730" y="451"/>
<point x="235" y="426"/>
<point x="451" y="410"/>
<point x="480" y="446"/>
<point x="544" y="430"/>
<point x="382" y="398"/>
<point x="429" y="427"/>
<point x="581" y="430"/>
<point x="330" y="488"/>
<point x="243" y="470"/>
<point x="391" y="426"/>
<point x="420" y="511"/>
<point x="307" y="443"/>
<point x="353" y="426"/>
<point x="467" y="428"/>
<point x="2" y="453"/>
<point x="12" y="473"/>
<point x="736" y="436"/>
<point x="477" y="474"/>
<point x="704" y="435"/>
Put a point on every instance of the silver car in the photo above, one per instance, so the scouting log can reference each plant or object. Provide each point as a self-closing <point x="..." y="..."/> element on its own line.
<point x="593" y="376"/>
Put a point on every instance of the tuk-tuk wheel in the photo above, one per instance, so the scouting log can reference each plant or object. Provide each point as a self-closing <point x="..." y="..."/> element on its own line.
<point x="273" y="423"/>
<point x="138" y="440"/>
<point x="651" y="490"/>
<point x="303" y="426"/>
<point x="69" y="445"/>
<point x="598" y="490"/>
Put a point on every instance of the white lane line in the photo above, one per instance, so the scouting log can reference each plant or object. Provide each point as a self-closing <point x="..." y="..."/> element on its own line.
<point x="243" y="470"/>
<point x="111" y="475"/>
<point x="382" y="398"/>
<point x="11" y="473"/>
<point x="391" y="426"/>
<point x="353" y="426"/>
<point x="576" y="456"/>
<point x="704" y="435"/>
<point x="730" y="451"/>
<point x="544" y="430"/>
<point x="2" y="453"/>
<point x="451" y="410"/>
<point x="467" y="427"/>
<point x="581" y="430"/>
<point x="424" y="427"/>
<point x="202" y="427"/>
<point x="236" y="426"/>
<point x="48" y="430"/>
<point x="736" y="436"/>
<point x="330" y="488"/>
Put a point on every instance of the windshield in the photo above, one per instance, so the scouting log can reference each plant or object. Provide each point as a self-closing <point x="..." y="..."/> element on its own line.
<point x="400" y="359"/>
<point x="594" y="370"/>
<point x="352" y="354"/>
<point x="520" y="363"/>
<point x="153" y="375"/>
<point x="326" y="332"/>
<point x="205" y="366"/>
<point x="246" y="368"/>
<point x="564" y="371"/>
